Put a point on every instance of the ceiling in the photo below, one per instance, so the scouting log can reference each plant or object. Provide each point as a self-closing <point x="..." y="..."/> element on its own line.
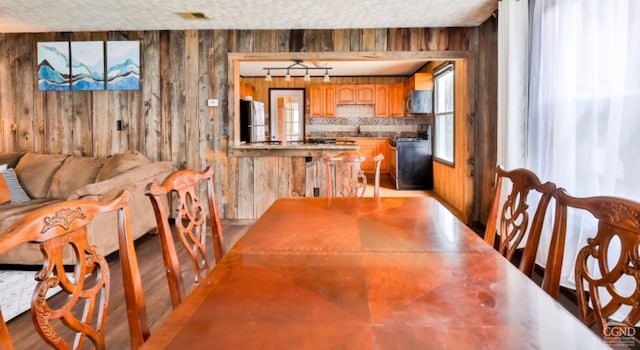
<point x="343" y="68"/>
<point x="127" y="15"/>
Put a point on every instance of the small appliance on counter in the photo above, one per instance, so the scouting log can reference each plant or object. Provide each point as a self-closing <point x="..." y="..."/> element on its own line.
<point x="252" y="121"/>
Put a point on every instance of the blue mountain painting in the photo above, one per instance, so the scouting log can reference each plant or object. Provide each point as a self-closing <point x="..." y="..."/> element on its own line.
<point x="53" y="66"/>
<point x="124" y="76"/>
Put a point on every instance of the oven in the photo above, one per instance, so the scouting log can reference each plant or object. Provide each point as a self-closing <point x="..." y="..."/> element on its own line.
<point x="410" y="162"/>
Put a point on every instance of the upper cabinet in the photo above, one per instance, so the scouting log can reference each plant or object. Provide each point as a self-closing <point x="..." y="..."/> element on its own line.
<point x="418" y="81"/>
<point x="247" y="90"/>
<point x="389" y="100"/>
<point x="322" y="100"/>
<point x="355" y="94"/>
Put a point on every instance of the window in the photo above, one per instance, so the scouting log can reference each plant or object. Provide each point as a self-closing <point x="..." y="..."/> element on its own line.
<point x="443" y="96"/>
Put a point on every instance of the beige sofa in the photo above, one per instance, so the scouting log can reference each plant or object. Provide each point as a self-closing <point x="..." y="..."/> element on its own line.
<point x="48" y="178"/>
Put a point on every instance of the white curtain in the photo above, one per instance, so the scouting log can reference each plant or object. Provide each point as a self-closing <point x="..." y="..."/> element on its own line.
<point x="513" y="72"/>
<point x="583" y="129"/>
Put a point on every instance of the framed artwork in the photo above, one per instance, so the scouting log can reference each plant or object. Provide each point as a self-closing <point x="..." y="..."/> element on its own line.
<point x="53" y="66"/>
<point x="87" y="65"/>
<point x="123" y="65"/>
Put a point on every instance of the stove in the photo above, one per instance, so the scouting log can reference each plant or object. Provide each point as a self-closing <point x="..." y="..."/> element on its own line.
<point x="324" y="141"/>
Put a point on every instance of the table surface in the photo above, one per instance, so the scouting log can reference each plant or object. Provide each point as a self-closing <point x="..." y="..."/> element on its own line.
<point x="388" y="273"/>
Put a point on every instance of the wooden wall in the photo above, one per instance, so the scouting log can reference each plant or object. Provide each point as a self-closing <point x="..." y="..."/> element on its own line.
<point x="168" y="118"/>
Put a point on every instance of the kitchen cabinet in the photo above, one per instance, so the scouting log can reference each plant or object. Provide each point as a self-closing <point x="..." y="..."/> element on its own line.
<point x="322" y="100"/>
<point x="418" y="81"/>
<point x="396" y="100"/>
<point x="382" y="100"/>
<point x="348" y="94"/>
<point x="247" y="90"/>
<point x="389" y="100"/>
<point x="371" y="147"/>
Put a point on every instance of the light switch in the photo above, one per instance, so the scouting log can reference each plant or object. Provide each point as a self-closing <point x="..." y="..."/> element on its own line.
<point x="212" y="102"/>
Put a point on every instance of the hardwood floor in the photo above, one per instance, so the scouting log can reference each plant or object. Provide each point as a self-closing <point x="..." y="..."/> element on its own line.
<point x="156" y="293"/>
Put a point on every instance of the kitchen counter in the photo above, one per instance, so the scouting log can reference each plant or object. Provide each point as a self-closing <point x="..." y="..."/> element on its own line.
<point x="291" y="150"/>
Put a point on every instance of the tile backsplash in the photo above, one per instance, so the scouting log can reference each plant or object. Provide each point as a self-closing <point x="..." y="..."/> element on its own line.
<point x="359" y="120"/>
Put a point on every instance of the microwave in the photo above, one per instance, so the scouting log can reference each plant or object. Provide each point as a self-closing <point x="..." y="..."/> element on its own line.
<point x="420" y="102"/>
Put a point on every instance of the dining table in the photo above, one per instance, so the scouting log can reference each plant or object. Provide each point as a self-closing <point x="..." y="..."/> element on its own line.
<point x="367" y="273"/>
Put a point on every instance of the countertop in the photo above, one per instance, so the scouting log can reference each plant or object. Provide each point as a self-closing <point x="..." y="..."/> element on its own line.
<point x="292" y="150"/>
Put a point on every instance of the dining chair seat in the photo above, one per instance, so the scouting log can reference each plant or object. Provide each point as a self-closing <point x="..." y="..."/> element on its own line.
<point x="79" y="321"/>
<point x="344" y="176"/>
<point x="190" y="222"/>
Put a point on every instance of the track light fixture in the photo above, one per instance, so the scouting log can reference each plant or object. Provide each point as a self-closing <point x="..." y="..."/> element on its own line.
<point x="297" y="64"/>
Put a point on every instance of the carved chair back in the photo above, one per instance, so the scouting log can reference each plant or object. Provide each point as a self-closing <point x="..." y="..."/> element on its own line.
<point x="80" y="320"/>
<point x="344" y="176"/>
<point x="510" y="220"/>
<point x="190" y="224"/>
<point x="607" y="268"/>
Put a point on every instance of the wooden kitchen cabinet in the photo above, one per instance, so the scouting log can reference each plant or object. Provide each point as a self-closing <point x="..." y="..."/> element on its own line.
<point x="382" y="100"/>
<point x="396" y="100"/>
<point x="345" y="94"/>
<point x="389" y="100"/>
<point x="372" y="147"/>
<point x="322" y="100"/>
<point x="365" y="94"/>
<point x="247" y="90"/>
<point x="349" y="94"/>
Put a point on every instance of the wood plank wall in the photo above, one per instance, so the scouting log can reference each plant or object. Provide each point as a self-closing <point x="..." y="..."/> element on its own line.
<point x="168" y="118"/>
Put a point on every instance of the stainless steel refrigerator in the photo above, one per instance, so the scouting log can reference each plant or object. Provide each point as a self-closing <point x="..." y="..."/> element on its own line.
<point x="252" y="121"/>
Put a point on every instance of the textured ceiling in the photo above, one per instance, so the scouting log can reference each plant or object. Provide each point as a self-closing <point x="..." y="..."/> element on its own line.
<point x="110" y="15"/>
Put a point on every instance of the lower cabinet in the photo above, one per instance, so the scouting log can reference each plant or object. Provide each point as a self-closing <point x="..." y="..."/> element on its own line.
<point x="372" y="147"/>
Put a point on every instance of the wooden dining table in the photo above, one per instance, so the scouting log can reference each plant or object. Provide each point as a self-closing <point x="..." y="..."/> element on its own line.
<point x="367" y="273"/>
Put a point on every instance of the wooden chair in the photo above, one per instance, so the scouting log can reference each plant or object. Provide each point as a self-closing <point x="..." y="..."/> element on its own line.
<point x="191" y="226"/>
<point x="80" y="320"/>
<point x="512" y="220"/>
<point x="595" y="274"/>
<point x="349" y="179"/>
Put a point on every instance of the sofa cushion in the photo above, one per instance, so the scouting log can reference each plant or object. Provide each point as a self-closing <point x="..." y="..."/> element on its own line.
<point x="74" y="173"/>
<point x="16" y="192"/>
<point x="121" y="162"/>
<point x="10" y="158"/>
<point x="36" y="170"/>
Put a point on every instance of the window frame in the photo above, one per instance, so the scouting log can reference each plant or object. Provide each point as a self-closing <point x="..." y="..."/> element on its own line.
<point x="438" y="73"/>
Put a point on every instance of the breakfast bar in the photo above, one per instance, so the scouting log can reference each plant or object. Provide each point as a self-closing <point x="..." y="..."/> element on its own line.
<point x="388" y="273"/>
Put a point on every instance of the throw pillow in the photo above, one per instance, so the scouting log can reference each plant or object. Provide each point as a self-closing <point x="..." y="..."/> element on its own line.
<point x="121" y="162"/>
<point x="36" y="171"/>
<point x="10" y="158"/>
<point x="18" y="195"/>
<point x="74" y="173"/>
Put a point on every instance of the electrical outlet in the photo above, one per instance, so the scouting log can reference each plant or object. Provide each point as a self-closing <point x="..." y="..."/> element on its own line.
<point x="316" y="192"/>
<point x="212" y="102"/>
<point x="119" y="125"/>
